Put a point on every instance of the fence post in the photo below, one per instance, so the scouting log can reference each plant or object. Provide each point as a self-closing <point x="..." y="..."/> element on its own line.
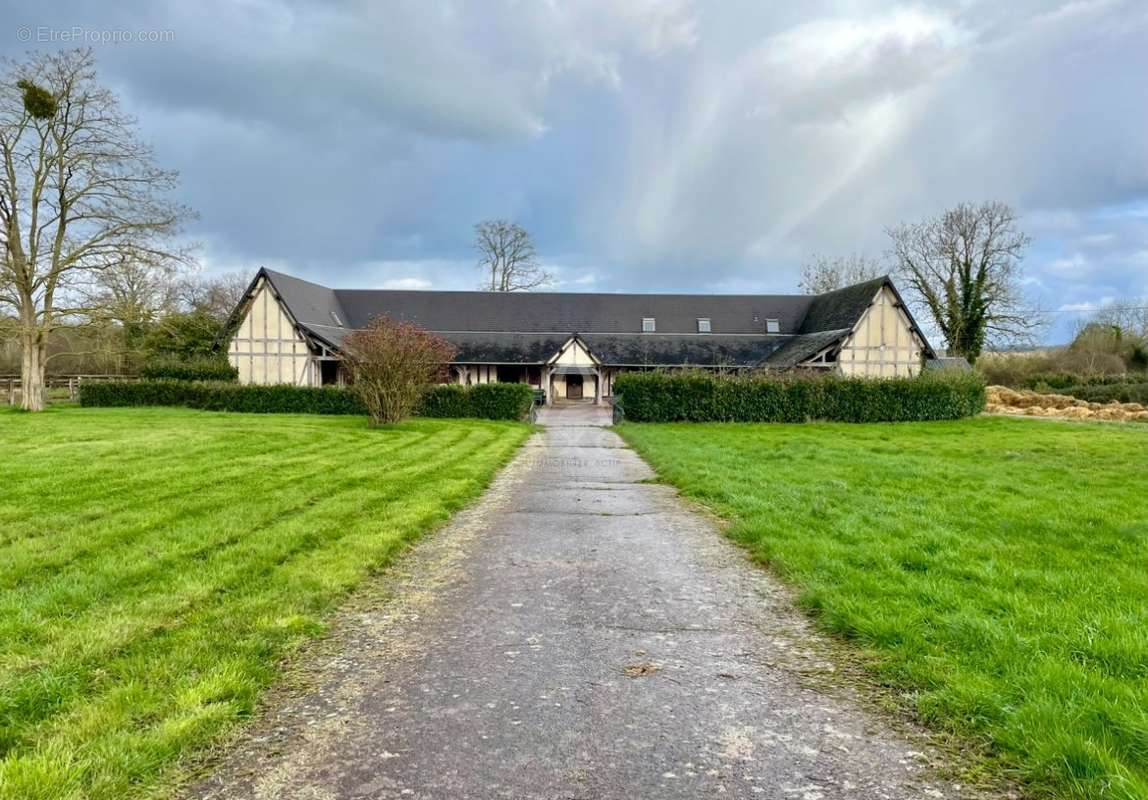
<point x="11" y="391"/>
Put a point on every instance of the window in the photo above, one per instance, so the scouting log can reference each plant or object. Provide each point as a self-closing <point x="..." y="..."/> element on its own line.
<point x="772" y="326"/>
<point x="648" y="325"/>
<point x="703" y="324"/>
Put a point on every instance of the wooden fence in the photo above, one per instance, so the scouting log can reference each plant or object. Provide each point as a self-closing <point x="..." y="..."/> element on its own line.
<point x="10" y="388"/>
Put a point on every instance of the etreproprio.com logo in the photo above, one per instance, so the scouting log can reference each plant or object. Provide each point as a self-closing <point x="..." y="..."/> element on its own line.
<point x="78" y="34"/>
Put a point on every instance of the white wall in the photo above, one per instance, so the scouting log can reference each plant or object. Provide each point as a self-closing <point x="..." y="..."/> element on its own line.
<point x="883" y="345"/>
<point x="267" y="348"/>
<point x="574" y="355"/>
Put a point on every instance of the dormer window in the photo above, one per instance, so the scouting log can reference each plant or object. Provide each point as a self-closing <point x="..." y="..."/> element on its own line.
<point x="648" y="325"/>
<point x="704" y="325"/>
<point x="772" y="326"/>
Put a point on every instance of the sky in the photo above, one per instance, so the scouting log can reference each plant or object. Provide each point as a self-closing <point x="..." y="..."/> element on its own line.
<point x="678" y="145"/>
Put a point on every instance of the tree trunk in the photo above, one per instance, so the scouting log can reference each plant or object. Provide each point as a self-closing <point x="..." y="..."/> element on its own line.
<point x="32" y="372"/>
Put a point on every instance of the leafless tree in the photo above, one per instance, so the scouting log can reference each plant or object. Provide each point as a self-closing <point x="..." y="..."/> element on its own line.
<point x="822" y="274"/>
<point x="1129" y="317"/>
<point x="132" y="293"/>
<point x="963" y="267"/>
<point x="79" y="194"/>
<point x="506" y="254"/>
<point x="214" y="295"/>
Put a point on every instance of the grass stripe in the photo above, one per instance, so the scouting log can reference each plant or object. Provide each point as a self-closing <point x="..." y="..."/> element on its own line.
<point x="144" y="631"/>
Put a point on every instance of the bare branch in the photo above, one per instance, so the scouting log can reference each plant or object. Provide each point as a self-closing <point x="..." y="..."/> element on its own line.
<point x="963" y="267"/>
<point x="80" y="196"/>
<point x="822" y="274"/>
<point x="507" y="258"/>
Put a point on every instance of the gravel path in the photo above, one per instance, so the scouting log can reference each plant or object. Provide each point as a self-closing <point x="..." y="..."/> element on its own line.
<point x="578" y="633"/>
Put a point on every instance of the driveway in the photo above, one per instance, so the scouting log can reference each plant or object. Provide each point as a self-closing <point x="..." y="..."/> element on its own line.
<point x="578" y="633"/>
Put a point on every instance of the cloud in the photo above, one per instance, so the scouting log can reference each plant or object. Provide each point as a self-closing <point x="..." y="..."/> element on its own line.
<point x="827" y="70"/>
<point x="1085" y="307"/>
<point x="406" y="283"/>
<point x="672" y="145"/>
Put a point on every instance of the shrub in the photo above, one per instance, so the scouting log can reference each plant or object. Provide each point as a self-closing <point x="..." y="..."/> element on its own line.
<point x="199" y="369"/>
<point x="704" y="397"/>
<point x="1109" y="392"/>
<point x="392" y="366"/>
<point x="1027" y="370"/>
<point x="451" y="400"/>
<point x="502" y="400"/>
<point x="509" y="401"/>
<point x="218" y="396"/>
<point x="1063" y="380"/>
<point x="486" y="400"/>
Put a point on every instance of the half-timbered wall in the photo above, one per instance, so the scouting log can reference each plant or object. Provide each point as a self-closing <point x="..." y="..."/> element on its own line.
<point x="471" y="374"/>
<point x="883" y="343"/>
<point x="267" y="348"/>
<point x="574" y="355"/>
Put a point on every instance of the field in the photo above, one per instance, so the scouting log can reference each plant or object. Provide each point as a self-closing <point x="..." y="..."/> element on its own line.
<point x="156" y="565"/>
<point x="992" y="572"/>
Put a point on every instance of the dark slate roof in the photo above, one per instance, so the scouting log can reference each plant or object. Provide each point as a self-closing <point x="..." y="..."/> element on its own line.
<point x="959" y="363"/>
<point x="310" y="303"/>
<point x="799" y="348"/>
<point x="654" y="349"/>
<point x="505" y="348"/>
<point x="545" y="312"/>
<point x="840" y="309"/>
<point x="531" y="327"/>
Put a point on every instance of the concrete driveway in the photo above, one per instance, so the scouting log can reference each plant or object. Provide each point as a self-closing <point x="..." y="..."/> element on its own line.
<point x="579" y="633"/>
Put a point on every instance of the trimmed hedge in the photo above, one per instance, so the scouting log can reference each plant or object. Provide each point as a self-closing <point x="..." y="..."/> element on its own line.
<point x="485" y="401"/>
<point x="219" y="396"/>
<point x="508" y="401"/>
<point x="705" y="397"/>
<point x="202" y="369"/>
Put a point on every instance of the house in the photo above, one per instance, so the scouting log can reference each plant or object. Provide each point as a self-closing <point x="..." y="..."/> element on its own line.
<point x="571" y="345"/>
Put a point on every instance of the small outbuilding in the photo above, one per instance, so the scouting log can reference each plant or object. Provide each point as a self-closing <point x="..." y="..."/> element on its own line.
<point x="572" y="345"/>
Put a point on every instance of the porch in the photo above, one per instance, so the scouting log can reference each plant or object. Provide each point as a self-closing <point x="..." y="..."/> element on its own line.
<point x="574" y="383"/>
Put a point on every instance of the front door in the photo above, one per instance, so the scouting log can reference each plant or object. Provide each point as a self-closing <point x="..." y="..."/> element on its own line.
<point x="573" y="387"/>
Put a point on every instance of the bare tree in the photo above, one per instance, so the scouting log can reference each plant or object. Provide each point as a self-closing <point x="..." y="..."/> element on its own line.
<point x="1129" y="317"/>
<point x="79" y="194"/>
<point x="506" y="254"/>
<point x="133" y="294"/>
<point x="964" y="268"/>
<point x="214" y="295"/>
<point x="822" y="274"/>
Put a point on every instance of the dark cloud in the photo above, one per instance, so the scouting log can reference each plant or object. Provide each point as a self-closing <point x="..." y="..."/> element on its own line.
<point x="648" y="145"/>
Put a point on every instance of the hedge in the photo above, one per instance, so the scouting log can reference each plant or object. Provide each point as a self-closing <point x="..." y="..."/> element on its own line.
<point x="219" y="396"/>
<point x="203" y="369"/>
<point x="705" y="397"/>
<point x="487" y="401"/>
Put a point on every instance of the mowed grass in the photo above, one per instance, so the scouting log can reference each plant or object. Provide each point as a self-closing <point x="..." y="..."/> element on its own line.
<point x="156" y="565"/>
<point x="993" y="570"/>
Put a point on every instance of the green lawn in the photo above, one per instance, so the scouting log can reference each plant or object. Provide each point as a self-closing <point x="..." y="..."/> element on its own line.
<point x="993" y="570"/>
<point x="157" y="564"/>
